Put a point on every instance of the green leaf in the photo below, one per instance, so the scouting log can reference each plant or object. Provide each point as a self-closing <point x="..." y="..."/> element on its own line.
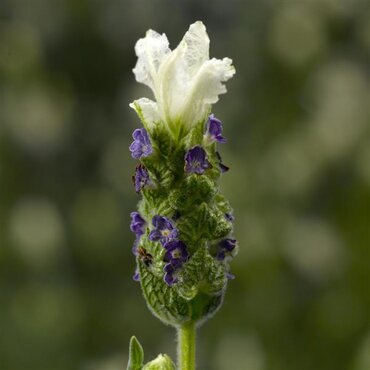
<point x="136" y="355"/>
<point x="162" y="362"/>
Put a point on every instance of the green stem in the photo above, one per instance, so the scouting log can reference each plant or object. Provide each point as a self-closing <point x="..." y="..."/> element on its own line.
<point x="186" y="346"/>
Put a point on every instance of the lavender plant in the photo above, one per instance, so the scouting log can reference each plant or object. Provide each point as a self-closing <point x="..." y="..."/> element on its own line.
<point x="183" y="225"/>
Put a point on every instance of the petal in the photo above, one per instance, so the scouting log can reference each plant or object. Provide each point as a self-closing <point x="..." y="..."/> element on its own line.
<point x="147" y="110"/>
<point x="150" y="51"/>
<point x="172" y="83"/>
<point x="197" y="51"/>
<point x="155" y="235"/>
<point x="178" y="69"/>
<point x="207" y="85"/>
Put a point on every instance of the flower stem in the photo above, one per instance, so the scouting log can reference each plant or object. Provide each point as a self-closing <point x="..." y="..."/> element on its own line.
<point x="186" y="346"/>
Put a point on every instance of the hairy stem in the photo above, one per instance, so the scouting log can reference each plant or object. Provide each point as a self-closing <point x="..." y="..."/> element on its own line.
<point x="186" y="346"/>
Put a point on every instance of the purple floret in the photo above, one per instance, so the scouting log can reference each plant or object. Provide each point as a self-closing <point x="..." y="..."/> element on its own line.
<point x="141" y="178"/>
<point x="225" y="247"/>
<point x="138" y="224"/>
<point x="176" y="253"/>
<point x="230" y="276"/>
<point x="141" y="146"/>
<point x="229" y="217"/>
<point x="136" y="275"/>
<point x="196" y="161"/>
<point x="169" y="274"/>
<point x="164" y="230"/>
<point x="214" y="130"/>
<point x="135" y="245"/>
<point x="169" y="277"/>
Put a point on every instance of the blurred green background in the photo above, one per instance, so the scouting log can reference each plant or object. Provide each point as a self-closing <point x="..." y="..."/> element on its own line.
<point x="297" y="119"/>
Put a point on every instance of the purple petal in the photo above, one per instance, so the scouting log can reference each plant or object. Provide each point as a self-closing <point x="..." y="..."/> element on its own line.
<point x="230" y="276"/>
<point x="196" y="161"/>
<point x="228" y="244"/>
<point x="155" y="235"/>
<point x="169" y="268"/>
<point x="229" y="217"/>
<point x="177" y="263"/>
<point x="141" y="178"/>
<point x="223" y="168"/>
<point x="141" y="147"/>
<point x="136" y="276"/>
<point x="214" y="130"/>
<point x="169" y="279"/>
<point x="162" y="223"/>
<point x="220" y="256"/>
<point x="135" y="245"/>
<point x="176" y="250"/>
<point x="167" y="256"/>
<point x="138" y="224"/>
<point x="164" y="229"/>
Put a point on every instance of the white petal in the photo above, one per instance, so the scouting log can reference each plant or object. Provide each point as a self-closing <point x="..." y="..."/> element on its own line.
<point x="147" y="110"/>
<point x="172" y="83"/>
<point x="197" y="51"/>
<point x="178" y="69"/>
<point x="207" y="85"/>
<point x="150" y="51"/>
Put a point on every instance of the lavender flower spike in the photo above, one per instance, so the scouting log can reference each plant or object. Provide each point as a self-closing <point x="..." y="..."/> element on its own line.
<point x="137" y="224"/>
<point x="214" y="130"/>
<point x="141" y="146"/>
<point x="196" y="161"/>
<point x="164" y="230"/>
<point x="184" y="231"/>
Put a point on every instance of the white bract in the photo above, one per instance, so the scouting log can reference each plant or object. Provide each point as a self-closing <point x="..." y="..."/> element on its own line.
<point x="185" y="82"/>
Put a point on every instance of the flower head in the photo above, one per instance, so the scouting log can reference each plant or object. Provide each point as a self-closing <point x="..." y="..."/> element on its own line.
<point x="141" y="177"/>
<point x="196" y="160"/>
<point x="137" y="224"/>
<point x="214" y="130"/>
<point x="185" y="82"/>
<point x="164" y="230"/>
<point x="141" y="146"/>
